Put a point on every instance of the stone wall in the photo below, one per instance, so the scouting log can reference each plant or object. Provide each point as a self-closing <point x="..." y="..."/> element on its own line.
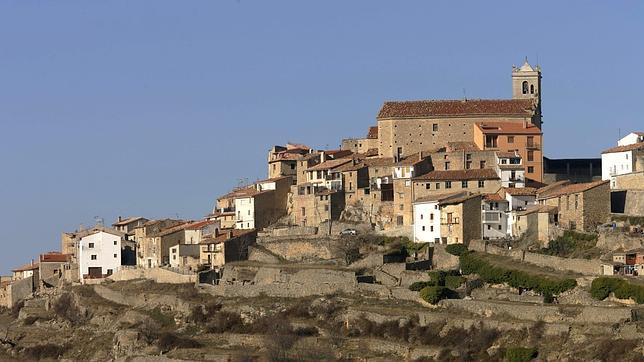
<point x="582" y="266"/>
<point x="549" y="314"/>
<point x="299" y="249"/>
<point x="634" y="205"/>
<point x="630" y="181"/>
<point x="158" y="275"/>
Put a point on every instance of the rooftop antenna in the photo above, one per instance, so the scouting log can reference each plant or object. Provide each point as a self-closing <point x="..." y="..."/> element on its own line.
<point x="464" y="94"/>
<point x="99" y="220"/>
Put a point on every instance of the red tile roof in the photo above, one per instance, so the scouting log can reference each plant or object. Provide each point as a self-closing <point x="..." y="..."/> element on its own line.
<point x="373" y="133"/>
<point x="521" y="191"/>
<point x="225" y="234"/>
<point x="430" y="108"/>
<point x="539" y="209"/>
<point x="55" y="257"/>
<point x="329" y="165"/>
<point x="572" y="189"/>
<point x="199" y="224"/>
<point x="26" y="267"/>
<point x="508" y="128"/>
<point x="493" y="197"/>
<point x="633" y="147"/>
<point x="459" y="175"/>
<point x="128" y="221"/>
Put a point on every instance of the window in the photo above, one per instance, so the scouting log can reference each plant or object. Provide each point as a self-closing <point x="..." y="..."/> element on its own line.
<point x="431" y="217"/>
<point x="510" y="139"/>
<point x="530" y="169"/>
<point x="448" y="184"/>
<point x="438" y="186"/>
<point x="115" y="242"/>
<point x="421" y="216"/>
<point x="531" y="88"/>
<point x="499" y="227"/>
<point x="468" y="165"/>
<point x="435" y="127"/>
<point x="326" y="207"/>
<point x="292" y="166"/>
<point x="481" y="183"/>
<point x="530" y="141"/>
<point x="530" y="155"/>
<point x="401" y="207"/>
<point x="431" y="228"/>
<point x="90" y="245"/>
<point x="524" y="87"/>
<point x="423" y="228"/>
<point x="489" y="227"/>
<point x="428" y="186"/>
<point x="116" y="256"/>
<point x="303" y="211"/>
<point x="573" y="225"/>
<point x="367" y="191"/>
<point x="481" y="164"/>
<point x="468" y="156"/>
<point x="447" y="165"/>
<point x="576" y="201"/>
<point x="464" y="184"/>
<point x="93" y="257"/>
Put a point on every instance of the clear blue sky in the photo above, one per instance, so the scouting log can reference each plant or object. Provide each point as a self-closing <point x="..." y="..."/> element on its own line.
<point x="156" y="107"/>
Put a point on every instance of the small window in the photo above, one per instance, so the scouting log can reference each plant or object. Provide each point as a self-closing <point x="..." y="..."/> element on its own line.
<point x="481" y="183"/>
<point x="421" y="216"/>
<point x="464" y="184"/>
<point x="90" y="245"/>
<point x="115" y="242"/>
<point x="431" y="216"/>
<point x="524" y="87"/>
<point x="401" y="207"/>
<point x="431" y="228"/>
<point x="530" y="169"/>
<point x="499" y="227"/>
<point x="482" y="164"/>
<point x="435" y="127"/>
<point x="438" y="186"/>
<point x="510" y="139"/>
<point x="93" y="257"/>
<point x="531" y="88"/>
<point x="448" y="184"/>
<point x="423" y="228"/>
<point x="427" y="186"/>
<point x="446" y="165"/>
<point x="530" y="155"/>
<point x="489" y="227"/>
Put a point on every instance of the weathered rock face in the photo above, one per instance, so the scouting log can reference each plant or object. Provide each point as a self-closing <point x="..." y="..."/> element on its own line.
<point x="128" y="342"/>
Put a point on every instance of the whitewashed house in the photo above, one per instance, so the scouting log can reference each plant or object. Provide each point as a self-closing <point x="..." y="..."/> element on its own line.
<point x="510" y="169"/>
<point x="427" y="221"/>
<point x="519" y="199"/>
<point x="626" y="158"/>
<point x="99" y="254"/>
<point x="494" y="216"/>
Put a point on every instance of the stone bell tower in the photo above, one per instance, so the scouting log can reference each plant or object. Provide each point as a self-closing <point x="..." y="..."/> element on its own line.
<point x="526" y="84"/>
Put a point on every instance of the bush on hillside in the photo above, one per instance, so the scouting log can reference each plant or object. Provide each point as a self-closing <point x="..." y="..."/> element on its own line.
<point x="456" y="249"/>
<point x="418" y="286"/>
<point x="454" y="281"/>
<point x="520" y="354"/>
<point x="601" y="288"/>
<point x="472" y="263"/>
<point x="438" y="277"/>
<point x="434" y="295"/>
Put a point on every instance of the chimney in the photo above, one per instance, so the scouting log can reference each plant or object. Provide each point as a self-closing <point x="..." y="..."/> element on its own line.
<point x="322" y="156"/>
<point x="120" y="219"/>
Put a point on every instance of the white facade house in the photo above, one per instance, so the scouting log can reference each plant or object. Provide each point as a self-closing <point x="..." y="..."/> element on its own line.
<point x="624" y="159"/>
<point x="494" y="217"/>
<point x="510" y="169"/>
<point x="326" y="175"/>
<point x="631" y="138"/>
<point x="99" y="255"/>
<point x="245" y="213"/>
<point x="427" y="222"/>
<point x="519" y="199"/>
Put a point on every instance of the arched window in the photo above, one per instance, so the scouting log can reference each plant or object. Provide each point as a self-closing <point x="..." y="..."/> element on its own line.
<point x="524" y="87"/>
<point x="531" y="88"/>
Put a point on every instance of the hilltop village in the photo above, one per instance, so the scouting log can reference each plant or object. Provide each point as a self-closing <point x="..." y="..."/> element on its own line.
<point x="459" y="189"/>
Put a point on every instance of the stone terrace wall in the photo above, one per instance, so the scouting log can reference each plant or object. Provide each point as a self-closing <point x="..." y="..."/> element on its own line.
<point x="582" y="266"/>
<point x="299" y="249"/>
<point x="156" y="274"/>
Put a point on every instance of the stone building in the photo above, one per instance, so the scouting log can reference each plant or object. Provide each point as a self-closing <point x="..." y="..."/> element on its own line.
<point x="282" y="160"/>
<point x="362" y="145"/>
<point x="225" y="247"/>
<point x="403" y="173"/>
<point x="581" y="206"/>
<point x="409" y="127"/>
<point x="494" y="217"/>
<point x="537" y="222"/>
<point x="313" y="206"/>
<point x="127" y="225"/>
<point x="185" y="256"/>
<point x="484" y="181"/>
<point x="452" y="218"/>
<point x="622" y="160"/>
<point x="150" y="251"/>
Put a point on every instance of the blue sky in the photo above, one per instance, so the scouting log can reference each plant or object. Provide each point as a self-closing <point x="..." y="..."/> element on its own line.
<point x="156" y="107"/>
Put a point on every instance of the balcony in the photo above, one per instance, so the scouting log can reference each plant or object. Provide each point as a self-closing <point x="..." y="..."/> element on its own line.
<point x="533" y="145"/>
<point x="452" y="221"/>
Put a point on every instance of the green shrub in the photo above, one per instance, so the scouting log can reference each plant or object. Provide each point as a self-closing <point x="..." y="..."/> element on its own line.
<point x="520" y="354"/>
<point x="601" y="288"/>
<point x="456" y="249"/>
<point x="438" y="276"/>
<point x="454" y="281"/>
<point x="471" y="263"/>
<point x="569" y="243"/>
<point x="418" y="286"/>
<point x="434" y="294"/>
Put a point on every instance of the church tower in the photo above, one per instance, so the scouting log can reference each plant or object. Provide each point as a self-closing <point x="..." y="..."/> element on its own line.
<point x="526" y="84"/>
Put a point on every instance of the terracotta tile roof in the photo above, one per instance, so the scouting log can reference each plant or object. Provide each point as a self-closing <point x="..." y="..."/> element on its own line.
<point x="493" y="197"/>
<point x="225" y="234"/>
<point x="430" y="108"/>
<point x="55" y="257"/>
<point x="459" y="175"/>
<point x="521" y="191"/>
<point x="170" y="230"/>
<point x="128" y="221"/>
<point x="248" y="191"/>
<point x="571" y="189"/>
<point x="539" y="208"/>
<point x="329" y="165"/>
<point x="350" y="167"/>
<point x="274" y="179"/>
<point x="633" y="147"/>
<point x="413" y="159"/>
<point x="199" y="224"/>
<point x="373" y="133"/>
<point x="379" y="162"/>
<point x="508" y="128"/>
<point x="441" y="197"/>
<point x="26" y="267"/>
<point x="511" y="167"/>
